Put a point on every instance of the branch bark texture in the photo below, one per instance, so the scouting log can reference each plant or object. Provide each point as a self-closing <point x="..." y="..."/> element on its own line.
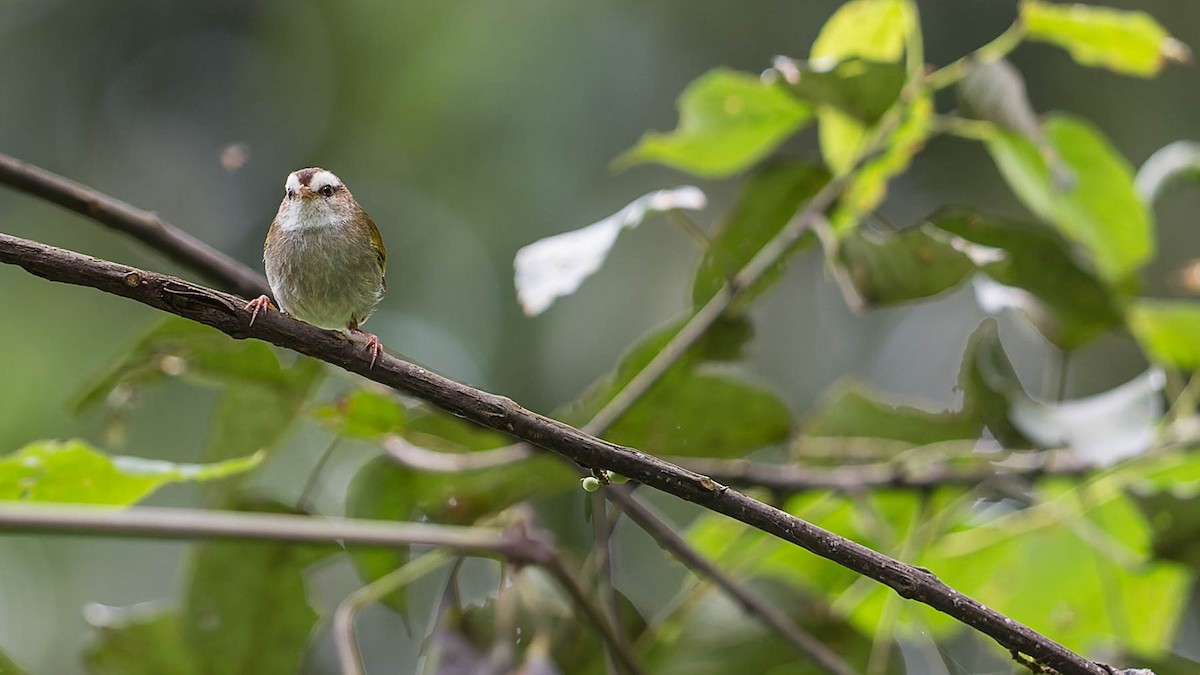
<point x="224" y="312"/>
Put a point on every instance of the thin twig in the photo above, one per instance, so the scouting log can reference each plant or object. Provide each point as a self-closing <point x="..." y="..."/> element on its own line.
<point x="225" y="313"/>
<point x="304" y="503"/>
<point x="433" y="461"/>
<point x="146" y="227"/>
<point x="789" y="479"/>
<point x="174" y="523"/>
<point x="602" y="530"/>
<point x="344" y="640"/>
<point x="752" y="603"/>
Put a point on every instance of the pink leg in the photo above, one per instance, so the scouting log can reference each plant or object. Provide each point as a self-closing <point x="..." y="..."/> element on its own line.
<point x="372" y="343"/>
<point x="258" y="304"/>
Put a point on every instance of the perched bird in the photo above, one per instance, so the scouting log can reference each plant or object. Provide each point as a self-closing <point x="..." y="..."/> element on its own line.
<point x="324" y="257"/>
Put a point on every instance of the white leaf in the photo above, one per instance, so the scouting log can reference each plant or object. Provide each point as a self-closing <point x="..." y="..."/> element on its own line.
<point x="1102" y="429"/>
<point x="555" y="266"/>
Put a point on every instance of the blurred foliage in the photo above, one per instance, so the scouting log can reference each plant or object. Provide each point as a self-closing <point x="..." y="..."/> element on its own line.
<point x="1099" y="561"/>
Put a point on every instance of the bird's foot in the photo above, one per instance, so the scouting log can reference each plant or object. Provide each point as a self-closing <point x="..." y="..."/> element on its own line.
<point x="259" y="304"/>
<point x="372" y="344"/>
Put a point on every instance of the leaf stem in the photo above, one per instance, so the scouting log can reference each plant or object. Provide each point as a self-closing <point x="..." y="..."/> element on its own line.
<point x="997" y="49"/>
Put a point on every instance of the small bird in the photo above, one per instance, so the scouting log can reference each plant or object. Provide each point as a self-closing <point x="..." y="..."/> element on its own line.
<point x="324" y="257"/>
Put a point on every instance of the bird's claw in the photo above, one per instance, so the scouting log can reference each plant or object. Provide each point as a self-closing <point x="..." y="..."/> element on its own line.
<point x="258" y="304"/>
<point x="372" y="344"/>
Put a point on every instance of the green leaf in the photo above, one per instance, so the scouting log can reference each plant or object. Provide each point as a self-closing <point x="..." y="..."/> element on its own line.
<point x="8" y="667"/>
<point x="676" y="415"/>
<point x="363" y="413"/>
<point x="856" y="410"/>
<point x="868" y="187"/>
<point x="1168" y="165"/>
<point x="727" y="121"/>
<point x="713" y="634"/>
<point x="987" y="380"/>
<point x="73" y="471"/>
<point x="247" y="609"/>
<point x="385" y="490"/>
<point x="176" y="347"/>
<point x="556" y="266"/>
<point x="769" y="199"/>
<point x="1126" y="42"/>
<point x="874" y="30"/>
<point x="1064" y="565"/>
<point x="1076" y="305"/>
<point x="1101" y="210"/>
<point x="1168" y="331"/>
<point x="899" y="267"/>
<point x="861" y="88"/>
<point x="990" y="385"/>
<point x="139" y="640"/>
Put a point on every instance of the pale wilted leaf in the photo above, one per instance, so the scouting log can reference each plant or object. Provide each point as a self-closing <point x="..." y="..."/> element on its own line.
<point x="556" y="266"/>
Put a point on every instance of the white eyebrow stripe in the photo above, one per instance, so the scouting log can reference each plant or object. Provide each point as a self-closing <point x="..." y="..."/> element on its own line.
<point x="323" y="178"/>
<point x="292" y="183"/>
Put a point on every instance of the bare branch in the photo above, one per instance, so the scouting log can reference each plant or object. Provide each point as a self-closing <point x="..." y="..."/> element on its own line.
<point x="224" y="312"/>
<point x="179" y="246"/>
<point x="789" y="479"/>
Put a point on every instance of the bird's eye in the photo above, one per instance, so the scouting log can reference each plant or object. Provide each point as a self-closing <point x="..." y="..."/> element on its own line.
<point x="289" y="192"/>
<point x="326" y="191"/>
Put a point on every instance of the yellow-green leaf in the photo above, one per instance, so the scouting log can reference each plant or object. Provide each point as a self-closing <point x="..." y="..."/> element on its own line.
<point x="1123" y="41"/>
<point x="73" y="471"/>
<point x="1097" y="208"/>
<point x="868" y="29"/>
<point x="868" y="188"/>
<point x="1168" y="330"/>
<point x="727" y="121"/>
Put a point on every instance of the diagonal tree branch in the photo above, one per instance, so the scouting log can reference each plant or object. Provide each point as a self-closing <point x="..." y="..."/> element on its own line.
<point x="224" y="312"/>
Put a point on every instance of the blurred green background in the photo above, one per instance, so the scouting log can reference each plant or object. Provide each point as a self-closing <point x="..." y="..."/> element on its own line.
<point x="467" y="129"/>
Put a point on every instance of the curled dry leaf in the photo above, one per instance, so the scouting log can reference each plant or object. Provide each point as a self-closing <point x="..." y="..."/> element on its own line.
<point x="556" y="266"/>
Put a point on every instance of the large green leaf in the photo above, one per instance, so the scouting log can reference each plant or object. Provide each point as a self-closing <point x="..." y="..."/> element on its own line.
<point x="73" y="471"/>
<point x="385" y="490"/>
<point x="988" y="384"/>
<point x="770" y="198"/>
<point x="861" y="88"/>
<point x="676" y="416"/>
<point x="868" y="186"/>
<point x="364" y="413"/>
<point x="138" y="640"/>
<point x="704" y="413"/>
<point x="1074" y="565"/>
<point x="727" y="121"/>
<point x="712" y="636"/>
<point x="1168" y="331"/>
<point x="1077" y="305"/>
<point x="855" y="410"/>
<point x="899" y="267"/>
<point x="247" y="609"/>
<point x="176" y="347"/>
<point x="1100" y="210"/>
<point x="1126" y="42"/>
<point x="873" y="30"/>
<point x="8" y="667"/>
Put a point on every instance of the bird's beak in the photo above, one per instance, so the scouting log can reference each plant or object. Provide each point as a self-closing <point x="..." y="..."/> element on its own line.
<point x="306" y="192"/>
